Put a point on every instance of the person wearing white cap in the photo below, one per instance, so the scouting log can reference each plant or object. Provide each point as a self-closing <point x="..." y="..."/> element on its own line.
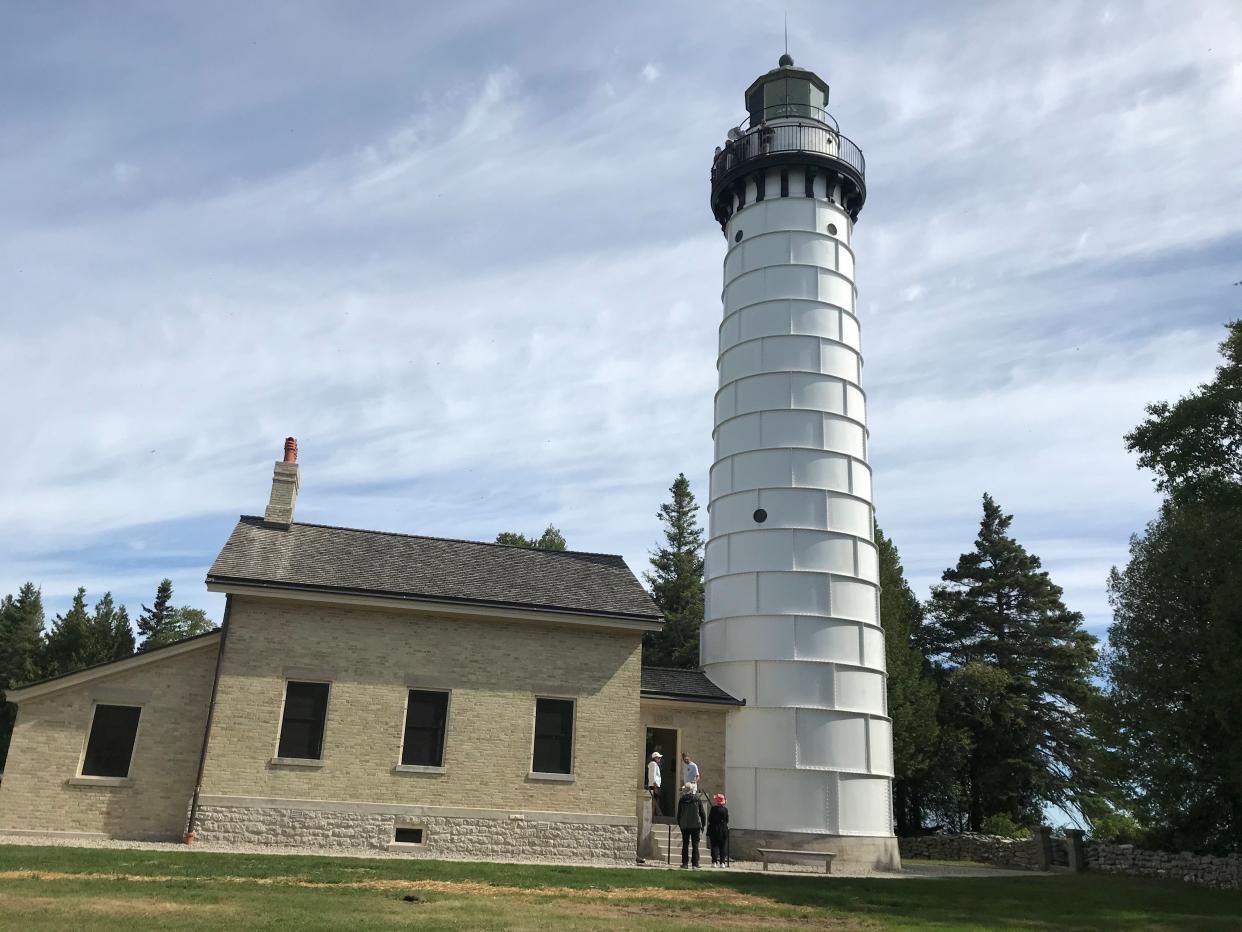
<point x="654" y="779"/>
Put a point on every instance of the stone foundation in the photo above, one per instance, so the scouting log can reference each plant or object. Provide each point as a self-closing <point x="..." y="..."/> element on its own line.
<point x="470" y="833"/>
<point x="854" y="852"/>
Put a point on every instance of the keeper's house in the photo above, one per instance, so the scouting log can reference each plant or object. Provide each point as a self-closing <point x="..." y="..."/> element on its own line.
<point x="374" y="690"/>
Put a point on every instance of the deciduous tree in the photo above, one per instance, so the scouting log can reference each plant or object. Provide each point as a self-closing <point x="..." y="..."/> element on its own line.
<point x="550" y="539"/>
<point x="1174" y="661"/>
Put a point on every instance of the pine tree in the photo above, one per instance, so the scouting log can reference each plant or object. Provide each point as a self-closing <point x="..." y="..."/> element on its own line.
<point x="1015" y="667"/>
<point x="109" y="635"/>
<point x="157" y="625"/>
<point x="550" y="539"/>
<point x="1174" y="660"/>
<point x="21" y="652"/>
<point x="69" y="644"/>
<point x="676" y="581"/>
<point x="912" y="697"/>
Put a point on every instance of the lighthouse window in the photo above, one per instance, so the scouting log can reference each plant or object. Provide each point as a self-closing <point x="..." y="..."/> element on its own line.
<point x="760" y="516"/>
<point x="832" y="228"/>
<point x="737" y="237"/>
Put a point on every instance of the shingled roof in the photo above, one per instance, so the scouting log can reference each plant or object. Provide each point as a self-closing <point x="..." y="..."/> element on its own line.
<point x="684" y="686"/>
<point x="350" y="561"/>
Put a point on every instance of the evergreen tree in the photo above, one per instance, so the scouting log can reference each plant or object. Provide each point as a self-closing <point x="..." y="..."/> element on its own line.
<point x="1015" y="667"/>
<point x="157" y="624"/>
<point x="550" y="539"/>
<point x="676" y="581"/>
<point x="912" y="697"/>
<point x="68" y="645"/>
<point x="21" y="652"/>
<point x="1174" y="661"/>
<point x="109" y="635"/>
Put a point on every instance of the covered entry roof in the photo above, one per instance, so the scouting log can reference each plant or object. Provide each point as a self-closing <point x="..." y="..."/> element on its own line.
<point x="684" y="686"/>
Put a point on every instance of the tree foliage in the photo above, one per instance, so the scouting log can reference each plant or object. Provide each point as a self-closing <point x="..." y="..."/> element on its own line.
<point x="912" y="698"/>
<point x="1015" y="670"/>
<point x="68" y="644"/>
<point x="550" y="539"/>
<point x="21" y="651"/>
<point x="157" y="624"/>
<point x="1174" y="661"/>
<point x="676" y="582"/>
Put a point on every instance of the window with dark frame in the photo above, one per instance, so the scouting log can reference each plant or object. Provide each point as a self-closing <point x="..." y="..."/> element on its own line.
<point x="110" y="745"/>
<point x="426" y="715"/>
<point x="554" y="736"/>
<point x="301" y="726"/>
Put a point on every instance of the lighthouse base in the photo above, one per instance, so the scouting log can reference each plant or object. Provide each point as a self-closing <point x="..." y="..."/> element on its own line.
<point x="853" y="852"/>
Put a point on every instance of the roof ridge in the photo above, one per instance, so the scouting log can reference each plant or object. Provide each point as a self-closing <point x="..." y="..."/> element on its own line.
<point x="452" y="540"/>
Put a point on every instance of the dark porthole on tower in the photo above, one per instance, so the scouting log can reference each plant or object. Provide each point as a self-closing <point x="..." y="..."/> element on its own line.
<point x="737" y="237"/>
<point x="760" y="516"/>
<point x="832" y="228"/>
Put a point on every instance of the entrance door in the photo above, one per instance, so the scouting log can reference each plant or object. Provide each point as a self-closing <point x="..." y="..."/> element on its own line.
<point x="664" y="740"/>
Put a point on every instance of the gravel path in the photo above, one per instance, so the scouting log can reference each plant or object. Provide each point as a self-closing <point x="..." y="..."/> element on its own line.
<point x="913" y="869"/>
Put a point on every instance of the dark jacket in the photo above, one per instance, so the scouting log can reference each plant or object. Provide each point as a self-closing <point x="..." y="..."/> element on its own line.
<point x="690" y="817"/>
<point x="718" y="823"/>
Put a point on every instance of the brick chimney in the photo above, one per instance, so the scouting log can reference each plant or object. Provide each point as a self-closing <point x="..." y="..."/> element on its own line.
<point x="284" y="487"/>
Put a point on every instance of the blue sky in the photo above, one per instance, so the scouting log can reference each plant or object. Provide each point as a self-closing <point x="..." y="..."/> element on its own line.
<point x="464" y="253"/>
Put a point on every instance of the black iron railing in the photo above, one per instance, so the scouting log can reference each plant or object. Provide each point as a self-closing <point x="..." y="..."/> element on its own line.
<point x="759" y="141"/>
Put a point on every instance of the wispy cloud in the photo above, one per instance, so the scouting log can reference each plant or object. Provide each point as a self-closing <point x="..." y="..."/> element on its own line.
<point x="465" y="257"/>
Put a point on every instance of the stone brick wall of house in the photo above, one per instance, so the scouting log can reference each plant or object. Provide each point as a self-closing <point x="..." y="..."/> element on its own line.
<point x="41" y="790"/>
<point x="494" y="671"/>
<point x="481" y="834"/>
<point x="702" y="734"/>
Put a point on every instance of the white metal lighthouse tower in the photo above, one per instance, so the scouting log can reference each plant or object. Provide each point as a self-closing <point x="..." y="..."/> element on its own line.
<point x="792" y="620"/>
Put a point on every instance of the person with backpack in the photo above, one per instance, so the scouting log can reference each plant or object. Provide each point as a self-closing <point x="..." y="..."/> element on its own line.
<point x="690" y="819"/>
<point x="718" y="829"/>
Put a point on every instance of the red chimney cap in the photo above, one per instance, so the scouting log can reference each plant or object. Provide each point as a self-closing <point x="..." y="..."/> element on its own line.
<point x="291" y="450"/>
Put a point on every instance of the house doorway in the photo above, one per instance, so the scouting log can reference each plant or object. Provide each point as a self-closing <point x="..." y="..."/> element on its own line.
<point x="665" y="741"/>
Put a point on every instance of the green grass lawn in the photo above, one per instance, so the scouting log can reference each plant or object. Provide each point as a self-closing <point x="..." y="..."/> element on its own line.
<point x="56" y="888"/>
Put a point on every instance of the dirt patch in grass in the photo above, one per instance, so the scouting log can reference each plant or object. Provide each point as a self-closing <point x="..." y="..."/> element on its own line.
<point x="654" y="915"/>
<point x="110" y="906"/>
<point x="718" y="895"/>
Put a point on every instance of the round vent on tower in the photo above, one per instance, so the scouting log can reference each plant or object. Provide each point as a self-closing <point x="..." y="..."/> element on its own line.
<point x="737" y="237"/>
<point x="760" y="516"/>
<point x="832" y="228"/>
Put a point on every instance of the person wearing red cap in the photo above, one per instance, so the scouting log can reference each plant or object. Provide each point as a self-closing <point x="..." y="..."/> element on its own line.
<point x="718" y="830"/>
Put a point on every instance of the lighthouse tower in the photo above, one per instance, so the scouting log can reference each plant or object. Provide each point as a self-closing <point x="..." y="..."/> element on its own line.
<point x="792" y="617"/>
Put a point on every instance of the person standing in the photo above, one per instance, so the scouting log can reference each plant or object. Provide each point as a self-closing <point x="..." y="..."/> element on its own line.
<point x="690" y="770"/>
<point x="654" y="779"/>
<point x="718" y="829"/>
<point x="690" y="819"/>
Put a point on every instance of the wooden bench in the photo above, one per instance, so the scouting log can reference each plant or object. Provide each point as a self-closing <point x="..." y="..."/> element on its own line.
<point x="785" y="854"/>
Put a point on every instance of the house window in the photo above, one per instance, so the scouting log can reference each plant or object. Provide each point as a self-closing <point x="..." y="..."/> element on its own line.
<point x="425" y="716"/>
<point x="110" y="746"/>
<point x="408" y="835"/>
<point x="301" y="727"/>
<point x="554" y="736"/>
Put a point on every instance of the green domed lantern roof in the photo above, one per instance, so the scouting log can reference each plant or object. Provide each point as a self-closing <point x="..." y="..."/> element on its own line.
<point x="787" y="92"/>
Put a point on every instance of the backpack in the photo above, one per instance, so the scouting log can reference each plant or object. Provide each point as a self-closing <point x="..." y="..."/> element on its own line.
<point x="688" y="815"/>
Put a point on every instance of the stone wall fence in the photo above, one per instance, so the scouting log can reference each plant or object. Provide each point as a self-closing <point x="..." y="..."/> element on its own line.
<point x="1043" y="852"/>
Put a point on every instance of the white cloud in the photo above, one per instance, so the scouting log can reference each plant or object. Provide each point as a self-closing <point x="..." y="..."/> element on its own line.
<point x="483" y="290"/>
